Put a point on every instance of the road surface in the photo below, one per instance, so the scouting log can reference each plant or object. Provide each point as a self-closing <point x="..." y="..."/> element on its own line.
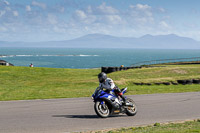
<point x="77" y="114"/>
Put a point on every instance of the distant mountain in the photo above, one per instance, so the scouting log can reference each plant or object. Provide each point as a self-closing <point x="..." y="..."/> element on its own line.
<point x="170" y="41"/>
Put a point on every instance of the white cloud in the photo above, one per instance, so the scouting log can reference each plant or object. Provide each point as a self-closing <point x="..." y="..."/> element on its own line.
<point x="164" y="25"/>
<point x="39" y="4"/>
<point x="15" y="13"/>
<point x="113" y="19"/>
<point x="107" y="9"/>
<point x="80" y="14"/>
<point x="143" y="7"/>
<point x="141" y="14"/>
<point x="101" y="14"/>
<point x="28" y="8"/>
<point x="140" y="7"/>
<point x="84" y="17"/>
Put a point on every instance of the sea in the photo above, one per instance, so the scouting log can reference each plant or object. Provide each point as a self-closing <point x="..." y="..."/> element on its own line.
<point x="86" y="58"/>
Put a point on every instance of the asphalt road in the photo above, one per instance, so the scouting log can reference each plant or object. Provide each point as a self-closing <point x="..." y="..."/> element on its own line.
<point x="77" y="114"/>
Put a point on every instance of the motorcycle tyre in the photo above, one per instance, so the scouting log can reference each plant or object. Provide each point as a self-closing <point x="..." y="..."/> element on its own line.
<point x="130" y="113"/>
<point x="98" y="112"/>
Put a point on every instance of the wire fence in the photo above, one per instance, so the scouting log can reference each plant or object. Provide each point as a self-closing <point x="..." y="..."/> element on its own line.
<point x="153" y="62"/>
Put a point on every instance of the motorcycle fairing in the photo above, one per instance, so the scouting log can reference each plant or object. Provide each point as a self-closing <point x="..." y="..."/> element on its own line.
<point x="111" y="99"/>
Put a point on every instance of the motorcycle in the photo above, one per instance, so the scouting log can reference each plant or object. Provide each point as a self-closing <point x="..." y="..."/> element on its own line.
<point x="108" y="103"/>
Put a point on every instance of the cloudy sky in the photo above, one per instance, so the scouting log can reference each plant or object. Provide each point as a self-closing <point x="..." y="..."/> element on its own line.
<point x="47" y="20"/>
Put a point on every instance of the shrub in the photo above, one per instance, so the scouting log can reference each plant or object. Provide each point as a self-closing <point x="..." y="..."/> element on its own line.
<point x="157" y="124"/>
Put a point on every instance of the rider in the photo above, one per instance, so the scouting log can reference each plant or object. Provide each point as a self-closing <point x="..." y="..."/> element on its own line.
<point x="108" y="84"/>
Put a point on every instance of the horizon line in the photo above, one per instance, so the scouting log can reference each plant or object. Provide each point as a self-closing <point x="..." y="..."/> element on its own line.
<point x="97" y="34"/>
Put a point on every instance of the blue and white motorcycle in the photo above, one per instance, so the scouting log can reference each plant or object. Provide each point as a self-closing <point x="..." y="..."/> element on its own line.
<point x="108" y="103"/>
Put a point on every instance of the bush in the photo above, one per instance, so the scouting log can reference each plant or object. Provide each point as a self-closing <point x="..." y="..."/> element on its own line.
<point x="157" y="124"/>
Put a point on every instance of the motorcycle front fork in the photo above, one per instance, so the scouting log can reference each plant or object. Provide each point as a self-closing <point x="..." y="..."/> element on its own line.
<point x="103" y="105"/>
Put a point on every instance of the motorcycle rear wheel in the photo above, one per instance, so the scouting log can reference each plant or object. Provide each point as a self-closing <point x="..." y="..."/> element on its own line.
<point x="131" y="111"/>
<point x="101" y="110"/>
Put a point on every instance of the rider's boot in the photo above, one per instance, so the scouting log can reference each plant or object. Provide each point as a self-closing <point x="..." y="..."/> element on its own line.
<point x="119" y="93"/>
<point x="124" y="99"/>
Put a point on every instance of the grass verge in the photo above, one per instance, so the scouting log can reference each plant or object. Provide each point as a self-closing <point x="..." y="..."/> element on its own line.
<point x="23" y="83"/>
<point x="186" y="127"/>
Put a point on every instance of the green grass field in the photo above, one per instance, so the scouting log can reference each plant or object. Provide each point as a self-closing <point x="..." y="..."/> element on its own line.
<point x="186" y="127"/>
<point x="21" y="83"/>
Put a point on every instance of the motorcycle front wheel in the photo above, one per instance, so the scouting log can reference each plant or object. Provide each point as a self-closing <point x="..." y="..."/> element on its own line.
<point x="101" y="110"/>
<point x="131" y="110"/>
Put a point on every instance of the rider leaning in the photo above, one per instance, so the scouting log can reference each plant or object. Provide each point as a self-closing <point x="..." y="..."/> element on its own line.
<point x="108" y="84"/>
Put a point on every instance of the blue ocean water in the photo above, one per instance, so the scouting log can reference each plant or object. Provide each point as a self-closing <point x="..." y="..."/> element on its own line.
<point x="87" y="58"/>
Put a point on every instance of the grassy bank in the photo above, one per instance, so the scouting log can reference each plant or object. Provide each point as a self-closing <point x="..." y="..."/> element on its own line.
<point x="186" y="127"/>
<point x="19" y="83"/>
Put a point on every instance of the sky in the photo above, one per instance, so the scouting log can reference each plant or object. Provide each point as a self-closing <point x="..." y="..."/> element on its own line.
<point x="54" y="20"/>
